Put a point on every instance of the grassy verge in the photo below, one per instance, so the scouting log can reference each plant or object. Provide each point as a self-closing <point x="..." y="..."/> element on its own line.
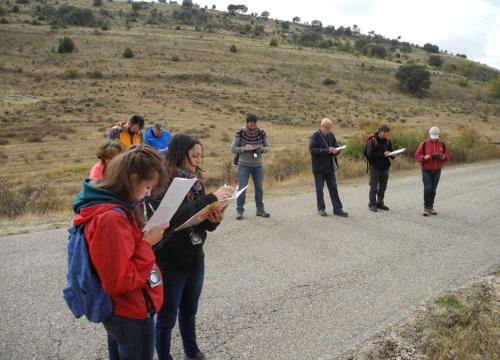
<point x="458" y="325"/>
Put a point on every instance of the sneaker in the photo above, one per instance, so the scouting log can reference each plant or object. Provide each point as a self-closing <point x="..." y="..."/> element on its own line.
<point x="199" y="356"/>
<point x="382" y="207"/>
<point x="427" y="212"/>
<point x="373" y="208"/>
<point x="262" y="213"/>
<point x="322" y="213"/>
<point x="239" y="216"/>
<point x="433" y="212"/>
<point x="340" y="212"/>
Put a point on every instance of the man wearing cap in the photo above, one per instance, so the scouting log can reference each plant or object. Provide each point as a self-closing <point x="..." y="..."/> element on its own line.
<point x="158" y="137"/>
<point x="249" y="143"/>
<point x="129" y="133"/>
<point x="431" y="154"/>
<point x="323" y="148"/>
<point x="377" y="154"/>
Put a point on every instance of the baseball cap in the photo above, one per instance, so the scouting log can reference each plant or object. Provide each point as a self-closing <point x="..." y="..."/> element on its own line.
<point x="434" y="133"/>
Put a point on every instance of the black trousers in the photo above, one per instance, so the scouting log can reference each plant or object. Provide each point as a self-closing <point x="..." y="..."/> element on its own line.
<point x="378" y="184"/>
<point x="430" y="179"/>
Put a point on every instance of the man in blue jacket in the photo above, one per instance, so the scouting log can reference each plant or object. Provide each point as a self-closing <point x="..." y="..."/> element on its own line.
<point x="323" y="148"/>
<point x="158" y="137"/>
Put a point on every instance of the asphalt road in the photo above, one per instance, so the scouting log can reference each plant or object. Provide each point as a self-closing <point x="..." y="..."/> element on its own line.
<point x="294" y="286"/>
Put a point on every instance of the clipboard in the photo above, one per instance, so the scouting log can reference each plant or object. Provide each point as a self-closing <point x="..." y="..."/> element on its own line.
<point x="200" y="216"/>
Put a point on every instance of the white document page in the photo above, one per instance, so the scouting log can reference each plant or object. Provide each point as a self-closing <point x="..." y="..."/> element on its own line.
<point x="341" y="147"/>
<point x="397" y="152"/>
<point x="170" y="203"/>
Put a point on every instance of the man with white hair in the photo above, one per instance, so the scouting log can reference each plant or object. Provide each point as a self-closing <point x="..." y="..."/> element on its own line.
<point x="431" y="154"/>
<point x="323" y="148"/>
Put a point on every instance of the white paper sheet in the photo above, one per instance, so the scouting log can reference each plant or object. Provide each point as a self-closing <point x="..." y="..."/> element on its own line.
<point x="341" y="147"/>
<point x="170" y="203"/>
<point x="200" y="216"/>
<point x="397" y="152"/>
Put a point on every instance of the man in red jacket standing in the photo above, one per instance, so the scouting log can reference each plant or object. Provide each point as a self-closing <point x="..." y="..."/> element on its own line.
<point x="431" y="154"/>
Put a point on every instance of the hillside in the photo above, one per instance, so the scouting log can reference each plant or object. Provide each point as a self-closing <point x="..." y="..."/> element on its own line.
<point x="55" y="108"/>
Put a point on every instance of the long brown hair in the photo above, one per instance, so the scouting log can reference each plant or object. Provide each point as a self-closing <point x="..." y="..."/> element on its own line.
<point x="141" y="163"/>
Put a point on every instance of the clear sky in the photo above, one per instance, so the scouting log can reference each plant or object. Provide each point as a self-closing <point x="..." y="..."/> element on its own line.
<point x="470" y="27"/>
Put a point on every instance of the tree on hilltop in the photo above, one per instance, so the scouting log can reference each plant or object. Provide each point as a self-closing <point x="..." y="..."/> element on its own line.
<point x="233" y="9"/>
<point x="296" y="19"/>
<point x="265" y="15"/>
<point x="413" y="78"/>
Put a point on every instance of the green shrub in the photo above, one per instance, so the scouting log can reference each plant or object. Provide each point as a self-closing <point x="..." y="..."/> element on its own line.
<point x="175" y="58"/>
<point x="435" y="60"/>
<point x="128" y="53"/>
<point x="273" y="43"/>
<point x="413" y="78"/>
<point x="105" y="26"/>
<point x="494" y="87"/>
<point x="97" y="3"/>
<point x="71" y="15"/>
<point x="66" y="45"/>
<point x="233" y="49"/>
<point x="376" y="50"/>
<point x="329" y="81"/>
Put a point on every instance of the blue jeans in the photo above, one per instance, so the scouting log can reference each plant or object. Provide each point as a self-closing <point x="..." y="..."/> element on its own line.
<point x="331" y="183"/>
<point x="181" y="293"/>
<point x="244" y="173"/>
<point x="130" y="339"/>
<point x="431" y="181"/>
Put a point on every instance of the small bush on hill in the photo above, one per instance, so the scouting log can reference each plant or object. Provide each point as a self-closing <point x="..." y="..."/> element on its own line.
<point x="435" y="60"/>
<point x="431" y="48"/>
<point x="66" y="45"/>
<point x="376" y="50"/>
<point x="413" y="78"/>
<point x="273" y="43"/>
<point x="233" y="49"/>
<point x="494" y="87"/>
<point x="329" y="81"/>
<point x="97" y="3"/>
<point x="175" y="58"/>
<point x="128" y="53"/>
<point x="309" y="38"/>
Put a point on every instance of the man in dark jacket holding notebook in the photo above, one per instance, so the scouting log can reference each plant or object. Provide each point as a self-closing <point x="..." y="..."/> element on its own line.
<point x="378" y="149"/>
<point x="323" y="148"/>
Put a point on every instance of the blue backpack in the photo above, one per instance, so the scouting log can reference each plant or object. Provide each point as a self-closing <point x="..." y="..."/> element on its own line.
<point x="84" y="294"/>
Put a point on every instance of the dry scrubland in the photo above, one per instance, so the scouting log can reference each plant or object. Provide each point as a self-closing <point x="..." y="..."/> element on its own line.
<point x="55" y="108"/>
<point x="460" y="325"/>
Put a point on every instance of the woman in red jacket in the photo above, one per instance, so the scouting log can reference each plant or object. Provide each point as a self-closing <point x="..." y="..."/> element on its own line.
<point x="431" y="154"/>
<point x="121" y="253"/>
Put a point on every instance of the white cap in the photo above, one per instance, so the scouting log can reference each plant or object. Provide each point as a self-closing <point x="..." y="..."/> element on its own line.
<point x="434" y="133"/>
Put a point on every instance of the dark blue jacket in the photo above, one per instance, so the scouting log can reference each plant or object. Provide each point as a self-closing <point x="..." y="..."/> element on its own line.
<point x="322" y="160"/>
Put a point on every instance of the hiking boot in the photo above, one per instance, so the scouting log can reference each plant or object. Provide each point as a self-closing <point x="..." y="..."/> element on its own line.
<point x="240" y="215"/>
<point x="427" y="212"/>
<point x="340" y="212"/>
<point x="198" y="356"/>
<point x="262" y="213"/>
<point x="322" y="213"/>
<point x="373" y="208"/>
<point x="382" y="207"/>
<point x="433" y="212"/>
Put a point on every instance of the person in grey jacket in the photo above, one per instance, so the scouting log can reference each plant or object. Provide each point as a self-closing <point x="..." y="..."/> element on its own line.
<point x="249" y="143"/>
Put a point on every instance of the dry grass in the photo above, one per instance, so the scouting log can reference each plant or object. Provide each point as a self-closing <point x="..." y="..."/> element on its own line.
<point x="459" y="325"/>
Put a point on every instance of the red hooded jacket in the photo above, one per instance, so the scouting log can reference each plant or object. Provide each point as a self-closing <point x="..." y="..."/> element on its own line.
<point x="432" y="147"/>
<point x="122" y="259"/>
